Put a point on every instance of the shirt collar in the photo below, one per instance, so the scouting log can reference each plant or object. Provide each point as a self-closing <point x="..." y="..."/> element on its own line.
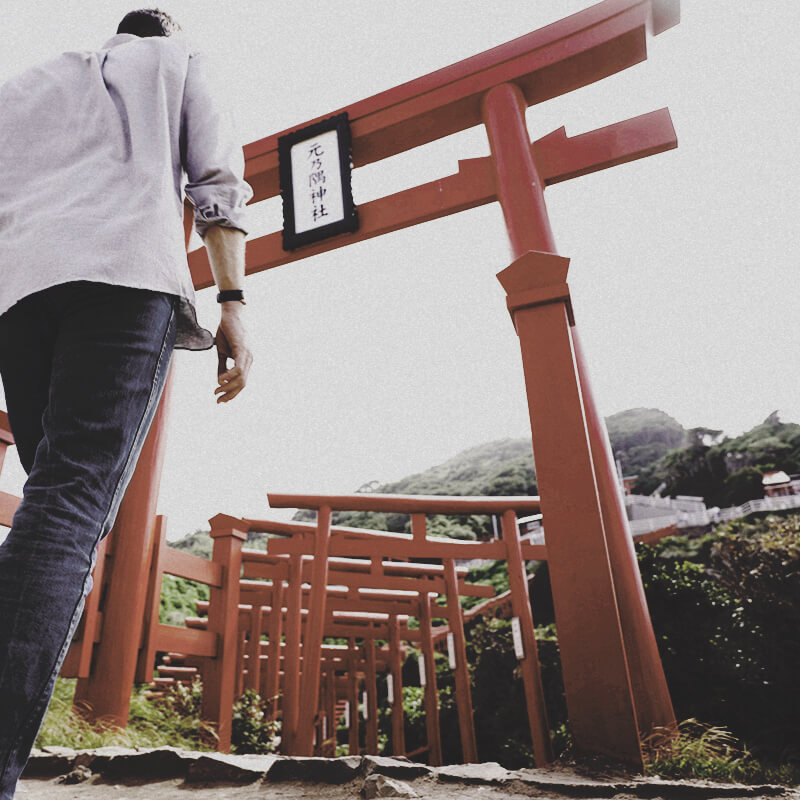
<point x="120" y="38"/>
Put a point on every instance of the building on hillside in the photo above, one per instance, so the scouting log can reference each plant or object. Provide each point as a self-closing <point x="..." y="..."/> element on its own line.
<point x="777" y="483"/>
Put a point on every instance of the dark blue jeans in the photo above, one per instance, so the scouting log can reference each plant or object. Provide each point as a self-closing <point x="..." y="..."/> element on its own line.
<point x="83" y="366"/>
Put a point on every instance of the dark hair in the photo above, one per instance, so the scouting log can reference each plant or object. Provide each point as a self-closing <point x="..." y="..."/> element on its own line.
<point x="148" y="22"/>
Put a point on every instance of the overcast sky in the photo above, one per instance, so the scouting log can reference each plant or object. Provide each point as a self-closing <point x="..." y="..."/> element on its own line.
<point x="390" y="356"/>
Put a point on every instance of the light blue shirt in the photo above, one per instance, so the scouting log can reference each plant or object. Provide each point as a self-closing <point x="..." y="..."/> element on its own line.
<point x="95" y="147"/>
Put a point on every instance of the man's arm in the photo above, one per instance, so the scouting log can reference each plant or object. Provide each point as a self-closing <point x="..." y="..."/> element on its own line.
<point x="215" y="185"/>
<point x="225" y="248"/>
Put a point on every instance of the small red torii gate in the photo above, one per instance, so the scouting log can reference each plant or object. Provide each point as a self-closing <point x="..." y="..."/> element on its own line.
<point x="356" y="620"/>
<point x="369" y="573"/>
<point x="326" y="543"/>
<point x="613" y="676"/>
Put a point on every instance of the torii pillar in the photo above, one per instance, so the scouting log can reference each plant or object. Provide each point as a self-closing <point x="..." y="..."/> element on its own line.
<point x="106" y="693"/>
<point x="613" y="678"/>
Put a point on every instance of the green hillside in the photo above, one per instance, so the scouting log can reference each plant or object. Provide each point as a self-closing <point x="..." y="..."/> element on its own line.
<point x="726" y="472"/>
<point x="198" y="544"/>
<point x="496" y="468"/>
<point x="640" y="436"/>
<point x="647" y="443"/>
<point x="503" y="467"/>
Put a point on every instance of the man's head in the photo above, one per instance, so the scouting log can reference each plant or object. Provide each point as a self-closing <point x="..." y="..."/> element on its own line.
<point x="148" y="22"/>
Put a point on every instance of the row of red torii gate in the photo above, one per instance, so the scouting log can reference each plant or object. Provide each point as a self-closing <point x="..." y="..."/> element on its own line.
<point x="613" y="679"/>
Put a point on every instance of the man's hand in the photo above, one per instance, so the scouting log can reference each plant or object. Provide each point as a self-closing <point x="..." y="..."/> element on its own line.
<point x="231" y="343"/>
<point x="225" y="247"/>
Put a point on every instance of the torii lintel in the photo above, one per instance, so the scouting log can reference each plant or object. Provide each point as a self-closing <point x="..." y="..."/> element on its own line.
<point x="573" y="52"/>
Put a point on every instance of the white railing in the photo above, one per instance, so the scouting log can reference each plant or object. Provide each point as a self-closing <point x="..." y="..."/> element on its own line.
<point x="648" y="500"/>
<point x="781" y="503"/>
<point x="689" y="505"/>
<point x="714" y="516"/>
<point x="695" y="518"/>
<point x="641" y="526"/>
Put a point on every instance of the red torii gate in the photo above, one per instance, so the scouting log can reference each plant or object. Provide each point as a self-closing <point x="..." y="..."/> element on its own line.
<point x="370" y="571"/>
<point x="390" y="589"/>
<point x="614" y="680"/>
<point x="326" y="543"/>
<point x="239" y="591"/>
<point x="349" y="615"/>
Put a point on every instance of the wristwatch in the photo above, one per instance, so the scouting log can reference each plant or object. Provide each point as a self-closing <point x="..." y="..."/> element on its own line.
<point x="227" y="295"/>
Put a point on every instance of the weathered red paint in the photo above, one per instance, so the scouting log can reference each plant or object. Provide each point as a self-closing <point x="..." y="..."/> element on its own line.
<point x="466" y="721"/>
<point x="106" y="692"/>
<point x="531" y="670"/>
<point x="648" y="683"/>
<point x="312" y="642"/>
<point x="398" y="717"/>
<point x="594" y="658"/>
<point x="220" y="675"/>
<point x="291" y="694"/>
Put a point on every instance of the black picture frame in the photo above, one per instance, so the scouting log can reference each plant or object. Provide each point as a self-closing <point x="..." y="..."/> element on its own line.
<point x="349" y="223"/>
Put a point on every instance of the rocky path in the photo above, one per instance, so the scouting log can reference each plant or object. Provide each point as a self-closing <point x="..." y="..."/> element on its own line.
<point x="166" y="773"/>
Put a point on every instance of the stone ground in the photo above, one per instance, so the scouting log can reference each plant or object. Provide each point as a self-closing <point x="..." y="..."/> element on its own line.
<point x="166" y="773"/>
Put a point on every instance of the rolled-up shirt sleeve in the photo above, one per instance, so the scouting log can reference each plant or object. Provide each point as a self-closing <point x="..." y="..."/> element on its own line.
<point x="212" y="159"/>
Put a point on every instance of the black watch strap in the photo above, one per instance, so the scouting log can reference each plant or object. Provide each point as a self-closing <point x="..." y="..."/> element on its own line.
<point x="230" y="294"/>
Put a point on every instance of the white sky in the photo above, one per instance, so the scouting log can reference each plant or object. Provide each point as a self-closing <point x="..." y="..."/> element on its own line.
<point x="390" y="356"/>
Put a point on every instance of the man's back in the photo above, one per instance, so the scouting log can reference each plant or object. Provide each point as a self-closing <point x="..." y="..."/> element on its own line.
<point x="92" y="151"/>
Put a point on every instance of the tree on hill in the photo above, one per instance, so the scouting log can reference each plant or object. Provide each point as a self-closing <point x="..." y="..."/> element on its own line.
<point x="500" y="467"/>
<point x="742" y="486"/>
<point x="198" y="543"/>
<point x="640" y="436"/>
<point x="726" y="473"/>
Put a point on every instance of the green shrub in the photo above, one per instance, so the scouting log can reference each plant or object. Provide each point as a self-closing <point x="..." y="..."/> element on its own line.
<point x="700" y="751"/>
<point x="179" y="598"/>
<point x="176" y="715"/>
<point x="252" y="730"/>
<point x="760" y="563"/>
<point x="726" y="613"/>
<point x="414" y="715"/>
<point x="704" y="637"/>
<point x="498" y="696"/>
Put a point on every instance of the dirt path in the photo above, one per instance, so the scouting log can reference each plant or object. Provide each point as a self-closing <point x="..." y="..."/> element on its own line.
<point x="167" y="773"/>
<point x="295" y="790"/>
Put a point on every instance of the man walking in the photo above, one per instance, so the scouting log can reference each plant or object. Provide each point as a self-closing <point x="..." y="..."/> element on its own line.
<point x="95" y="293"/>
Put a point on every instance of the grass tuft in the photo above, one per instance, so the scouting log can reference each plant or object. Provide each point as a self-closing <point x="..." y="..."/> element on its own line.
<point x="173" y="719"/>
<point x="700" y="751"/>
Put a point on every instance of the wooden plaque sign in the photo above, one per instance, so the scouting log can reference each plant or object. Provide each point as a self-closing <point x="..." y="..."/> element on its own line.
<point x="315" y="169"/>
